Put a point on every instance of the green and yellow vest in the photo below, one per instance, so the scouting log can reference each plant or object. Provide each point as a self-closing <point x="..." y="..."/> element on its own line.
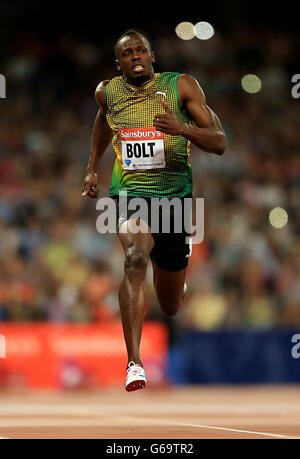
<point x="148" y="163"/>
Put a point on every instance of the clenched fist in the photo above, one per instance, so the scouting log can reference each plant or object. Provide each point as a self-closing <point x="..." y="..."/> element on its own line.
<point x="90" y="187"/>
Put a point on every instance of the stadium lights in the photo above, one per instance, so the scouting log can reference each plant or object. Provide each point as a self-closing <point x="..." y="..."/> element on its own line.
<point x="202" y="30"/>
<point x="251" y="83"/>
<point x="278" y="217"/>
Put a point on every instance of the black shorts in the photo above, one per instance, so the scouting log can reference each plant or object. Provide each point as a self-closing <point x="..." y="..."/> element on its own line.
<point x="172" y="248"/>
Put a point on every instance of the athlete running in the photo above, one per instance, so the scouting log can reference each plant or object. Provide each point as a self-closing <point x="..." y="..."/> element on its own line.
<point x="151" y="119"/>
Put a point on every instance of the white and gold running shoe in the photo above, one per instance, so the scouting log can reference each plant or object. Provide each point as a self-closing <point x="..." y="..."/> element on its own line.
<point x="136" y="378"/>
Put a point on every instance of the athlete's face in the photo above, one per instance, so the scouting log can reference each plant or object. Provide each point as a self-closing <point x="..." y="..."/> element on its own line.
<point x="135" y="58"/>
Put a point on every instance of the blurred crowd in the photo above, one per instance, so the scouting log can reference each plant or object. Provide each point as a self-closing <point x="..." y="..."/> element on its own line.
<point x="54" y="266"/>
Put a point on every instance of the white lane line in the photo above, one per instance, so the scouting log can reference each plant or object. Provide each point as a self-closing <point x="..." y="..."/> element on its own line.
<point x="201" y="426"/>
<point x="238" y="430"/>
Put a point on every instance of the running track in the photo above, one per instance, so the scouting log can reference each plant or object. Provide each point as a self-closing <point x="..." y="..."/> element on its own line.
<point x="177" y="413"/>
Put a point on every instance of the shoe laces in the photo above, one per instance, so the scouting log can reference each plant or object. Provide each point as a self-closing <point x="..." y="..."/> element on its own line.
<point x="131" y="365"/>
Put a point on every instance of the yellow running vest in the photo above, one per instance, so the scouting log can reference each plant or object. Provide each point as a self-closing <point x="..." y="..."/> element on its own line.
<point x="149" y="163"/>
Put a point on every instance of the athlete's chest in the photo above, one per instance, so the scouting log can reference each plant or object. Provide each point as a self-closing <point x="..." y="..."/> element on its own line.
<point x="138" y="102"/>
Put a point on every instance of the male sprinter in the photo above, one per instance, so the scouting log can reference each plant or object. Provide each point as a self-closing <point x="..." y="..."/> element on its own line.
<point x="169" y="109"/>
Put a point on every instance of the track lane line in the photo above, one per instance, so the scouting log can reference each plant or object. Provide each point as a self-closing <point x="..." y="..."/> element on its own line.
<point x="240" y="431"/>
<point x="202" y="426"/>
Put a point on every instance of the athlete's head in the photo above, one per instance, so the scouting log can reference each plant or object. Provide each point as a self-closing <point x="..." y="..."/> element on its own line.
<point x="134" y="56"/>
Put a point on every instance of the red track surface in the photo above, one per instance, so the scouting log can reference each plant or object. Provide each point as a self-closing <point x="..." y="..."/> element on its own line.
<point x="181" y="413"/>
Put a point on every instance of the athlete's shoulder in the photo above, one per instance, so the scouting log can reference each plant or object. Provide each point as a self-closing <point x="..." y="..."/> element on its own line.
<point x="100" y="92"/>
<point x="101" y="86"/>
<point x="188" y="84"/>
<point x="185" y="78"/>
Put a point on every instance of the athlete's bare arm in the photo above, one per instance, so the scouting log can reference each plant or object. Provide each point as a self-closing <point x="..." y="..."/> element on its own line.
<point x="206" y="131"/>
<point x="101" y="137"/>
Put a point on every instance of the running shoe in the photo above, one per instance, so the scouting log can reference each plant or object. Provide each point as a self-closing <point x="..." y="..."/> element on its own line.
<point x="136" y="378"/>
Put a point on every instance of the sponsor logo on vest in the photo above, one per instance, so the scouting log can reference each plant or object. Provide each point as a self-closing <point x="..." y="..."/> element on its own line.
<point x="140" y="134"/>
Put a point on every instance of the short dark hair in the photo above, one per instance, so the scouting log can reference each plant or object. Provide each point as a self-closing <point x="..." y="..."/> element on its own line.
<point x="130" y="32"/>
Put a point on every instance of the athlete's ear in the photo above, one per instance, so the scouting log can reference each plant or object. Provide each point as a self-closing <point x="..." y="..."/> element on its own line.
<point x="118" y="64"/>
<point x="153" y="56"/>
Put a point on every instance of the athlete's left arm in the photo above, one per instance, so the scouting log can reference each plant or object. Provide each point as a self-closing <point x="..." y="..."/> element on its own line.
<point x="205" y="131"/>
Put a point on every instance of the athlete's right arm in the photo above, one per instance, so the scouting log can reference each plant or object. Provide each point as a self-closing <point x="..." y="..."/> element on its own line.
<point x="101" y="137"/>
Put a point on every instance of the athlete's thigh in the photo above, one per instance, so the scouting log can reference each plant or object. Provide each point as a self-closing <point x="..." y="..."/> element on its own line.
<point x="168" y="283"/>
<point x="141" y="240"/>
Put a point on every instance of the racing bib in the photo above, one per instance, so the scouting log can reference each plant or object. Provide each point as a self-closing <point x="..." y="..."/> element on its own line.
<point x="142" y="148"/>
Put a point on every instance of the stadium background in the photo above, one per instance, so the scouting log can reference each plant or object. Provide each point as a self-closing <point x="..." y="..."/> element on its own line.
<point x="243" y="304"/>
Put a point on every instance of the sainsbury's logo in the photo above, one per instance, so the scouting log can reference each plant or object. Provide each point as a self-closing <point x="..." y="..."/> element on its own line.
<point x="140" y="134"/>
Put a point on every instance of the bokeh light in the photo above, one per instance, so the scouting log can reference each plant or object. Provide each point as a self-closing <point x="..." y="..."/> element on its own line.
<point x="185" y="30"/>
<point x="204" y="30"/>
<point x="251" y="83"/>
<point x="278" y="217"/>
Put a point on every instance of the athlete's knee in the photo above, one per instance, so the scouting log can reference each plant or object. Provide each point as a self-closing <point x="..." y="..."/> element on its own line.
<point x="135" y="262"/>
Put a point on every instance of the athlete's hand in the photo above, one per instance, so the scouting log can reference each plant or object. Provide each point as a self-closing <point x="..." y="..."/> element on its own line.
<point x="90" y="186"/>
<point x="168" y="122"/>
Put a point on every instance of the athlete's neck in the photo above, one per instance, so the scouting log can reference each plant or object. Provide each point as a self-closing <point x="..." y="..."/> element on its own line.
<point x="140" y="81"/>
